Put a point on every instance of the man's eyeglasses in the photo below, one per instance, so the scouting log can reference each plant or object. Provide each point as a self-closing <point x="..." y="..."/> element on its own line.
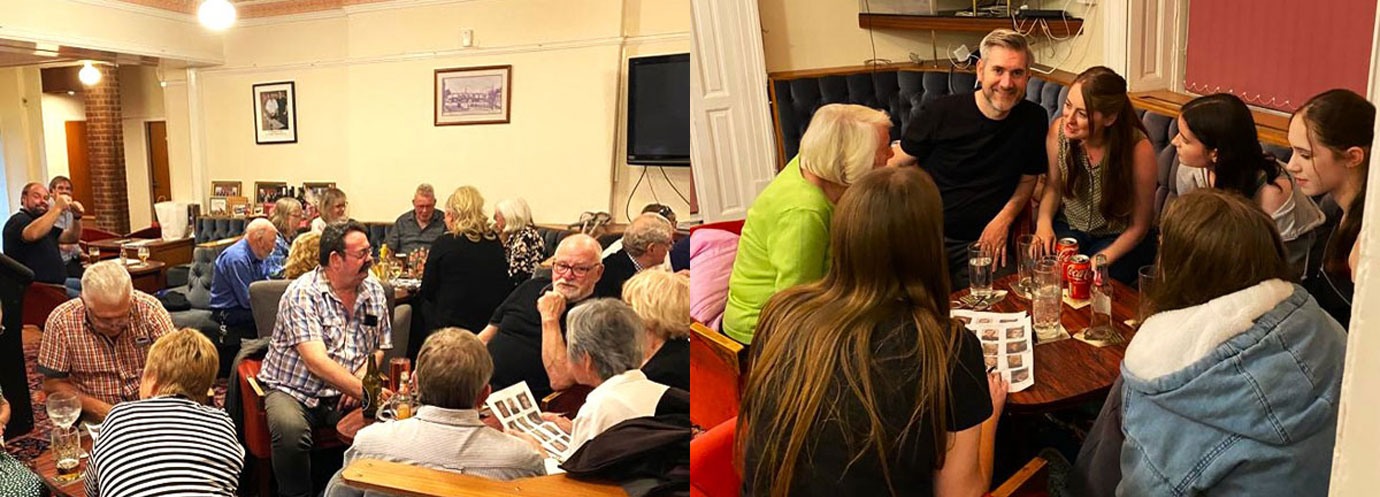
<point x="576" y="271"/>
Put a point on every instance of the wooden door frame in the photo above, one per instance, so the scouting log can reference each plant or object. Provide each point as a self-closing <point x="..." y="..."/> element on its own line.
<point x="148" y="151"/>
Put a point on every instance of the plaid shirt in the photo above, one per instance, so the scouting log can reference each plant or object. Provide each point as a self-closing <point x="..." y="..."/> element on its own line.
<point x="99" y="366"/>
<point x="310" y="312"/>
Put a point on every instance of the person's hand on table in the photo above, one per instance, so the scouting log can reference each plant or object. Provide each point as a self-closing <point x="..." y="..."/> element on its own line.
<point x="1044" y="240"/>
<point x="384" y="395"/>
<point x="561" y="422"/>
<point x="993" y="241"/>
<point x="997" y="388"/>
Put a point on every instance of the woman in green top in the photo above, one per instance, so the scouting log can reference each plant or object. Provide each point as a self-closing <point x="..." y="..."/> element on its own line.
<point x="785" y="238"/>
<point x="1101" y="176"/>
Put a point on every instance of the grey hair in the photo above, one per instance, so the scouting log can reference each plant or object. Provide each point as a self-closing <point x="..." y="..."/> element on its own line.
<point x="106" y="281"/>
<point x="645" y="230"/>
<point x="608" y="332"/>
<point x="1008" y="39"/>
<point x="426" y="190"/>
<point x="260" y="225"/>
<point x="516" y="214"/>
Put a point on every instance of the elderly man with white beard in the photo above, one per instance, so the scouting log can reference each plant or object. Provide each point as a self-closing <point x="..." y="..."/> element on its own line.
<point x="526" y="333"/>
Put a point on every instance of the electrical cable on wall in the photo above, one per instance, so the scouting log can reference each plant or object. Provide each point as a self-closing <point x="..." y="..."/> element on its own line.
<point x="673" y="185"/>
<point x="871" y="38"/>
<point x="627" y="208"/>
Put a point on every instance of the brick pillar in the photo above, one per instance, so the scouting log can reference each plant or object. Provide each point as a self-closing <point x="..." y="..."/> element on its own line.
<point x="105" y="144"/>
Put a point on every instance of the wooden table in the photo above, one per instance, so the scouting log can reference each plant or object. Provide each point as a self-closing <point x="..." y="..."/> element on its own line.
<point x="1068" y="372"/>
<point x="170" y="252"/>
<point x="405" y="479"/>
<point x="46" y="467"/>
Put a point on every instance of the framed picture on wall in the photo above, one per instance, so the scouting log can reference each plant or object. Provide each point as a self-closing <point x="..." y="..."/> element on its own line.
<point x="220" y="206"/>
<point x="275" y="113"/>
<point x="473" y="95"/>
<point x="268" y="191"/>
<point x="225" y="188"/>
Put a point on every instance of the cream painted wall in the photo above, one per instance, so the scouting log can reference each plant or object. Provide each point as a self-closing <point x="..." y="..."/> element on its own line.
<point x="21" y="131"/>
<point x="364" y="83"/>
<point x="816" y="34"/>
<point x="58" y="108"/>
<point x="141" y="101"/>
<point x="109" y="25"/>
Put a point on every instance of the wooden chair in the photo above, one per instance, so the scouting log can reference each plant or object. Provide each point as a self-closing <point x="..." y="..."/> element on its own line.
<point x="1032" y="480"/>
<point x="39" y="301"/>
<point x="711" y="463"/>
<point x="717" y="371"/>
<point x="256" y="435"/>
<point x="416" y="481"/>
<point x="566" y="402"/>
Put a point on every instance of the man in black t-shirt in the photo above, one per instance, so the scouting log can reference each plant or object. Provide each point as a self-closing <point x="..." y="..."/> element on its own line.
<point x="32" y="238"/>
<point x="983" y="150"/>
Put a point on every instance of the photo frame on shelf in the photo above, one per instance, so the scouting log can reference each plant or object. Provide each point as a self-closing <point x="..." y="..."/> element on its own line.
<point x="226" y="188"/>
<point x="312" y="191"/>
<point x="220" y="206"/>
<point x="473" y="95"/>
<point x="275" y="112"/>
<point x="266" y="190"/>
<point x="238" y="206"/>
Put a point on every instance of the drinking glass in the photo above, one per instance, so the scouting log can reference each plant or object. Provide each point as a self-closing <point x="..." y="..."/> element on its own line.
<point x="1026" y="257"/>
<point x="143" y="255"/>
<point x="95" y="253"/>
<point x="1145" y="282"/>
<point x="396" y="367"/>
<point x="979" y="271"/>
<point x="66" y="447"/>
<point x="124" y="257"/>
<point x="63" y="409"/>
<point x="1047" y="298"/>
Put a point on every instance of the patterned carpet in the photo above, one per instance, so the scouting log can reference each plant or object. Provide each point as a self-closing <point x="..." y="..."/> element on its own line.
<point x="28" y="447"/>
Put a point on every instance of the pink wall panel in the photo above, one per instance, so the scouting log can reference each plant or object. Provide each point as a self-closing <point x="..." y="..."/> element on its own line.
<point x="1278" y="53"/>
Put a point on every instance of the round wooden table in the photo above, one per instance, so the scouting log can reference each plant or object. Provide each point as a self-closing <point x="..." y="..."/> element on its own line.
<point x="1069" y="372"/>
<point x="148" y="277"/>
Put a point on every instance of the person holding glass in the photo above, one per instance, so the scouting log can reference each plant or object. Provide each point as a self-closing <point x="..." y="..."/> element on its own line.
<point x="95" y="346"/>
<point x="1230" y="387"/>
<point x="1101" y="180"/>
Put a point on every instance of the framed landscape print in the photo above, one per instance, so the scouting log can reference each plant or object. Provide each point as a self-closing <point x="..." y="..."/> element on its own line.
<point x="225" y="188"/>
<point x="275" y="113"/>
<point x="473" y="95"/>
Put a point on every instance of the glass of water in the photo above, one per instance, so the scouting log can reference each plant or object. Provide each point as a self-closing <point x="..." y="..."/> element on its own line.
<point x="1026" y="257"/>
<point x="1145" y="280"/>
<point x="979" y="271"/>
<point x="63" y="409"/>
<point x="1047" y="298"/>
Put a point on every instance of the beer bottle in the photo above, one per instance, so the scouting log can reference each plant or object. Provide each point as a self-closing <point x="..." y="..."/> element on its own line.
<point x="373" y="389"/>
<point x="404" y="398"/>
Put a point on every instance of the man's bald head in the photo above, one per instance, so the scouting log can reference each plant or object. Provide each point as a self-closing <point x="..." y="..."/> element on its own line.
<point x="577" y="266"/>
<point x="261" y="236"/>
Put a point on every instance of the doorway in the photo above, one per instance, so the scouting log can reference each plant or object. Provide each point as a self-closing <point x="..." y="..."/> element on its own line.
<point x="160" y="184"/>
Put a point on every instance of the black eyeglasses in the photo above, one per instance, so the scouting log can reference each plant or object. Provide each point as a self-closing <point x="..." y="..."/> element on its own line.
<point x="577" y="271"/>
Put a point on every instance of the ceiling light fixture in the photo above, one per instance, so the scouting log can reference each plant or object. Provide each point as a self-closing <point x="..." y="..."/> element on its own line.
<point x="89" y="75"/>
<point x="216" y="15"/>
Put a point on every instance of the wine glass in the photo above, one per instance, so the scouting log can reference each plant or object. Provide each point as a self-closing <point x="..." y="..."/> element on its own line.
<point x="63" y="409"/>
<point x="95" y="253"/>
<point x="143" y="255"/>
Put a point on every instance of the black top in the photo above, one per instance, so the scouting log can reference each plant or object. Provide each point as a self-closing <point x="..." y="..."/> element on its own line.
<point x="671" y="364"/>
<point x="516" y="348"/>
<point x="829" y="470"/>
<point x="1332" y="291"/>
<point x="41" y="256"/>
<point x="618" y="268"/>
<point x="976" y="162"/>
<point x="464" y="282"/>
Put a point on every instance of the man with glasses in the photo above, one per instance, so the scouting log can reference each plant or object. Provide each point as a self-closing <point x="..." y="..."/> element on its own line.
<point x="95" y="346"/>
<point x="524" y="334"/>
<point x="417" y="228"/>
<point x="32" y="235"/>
<point x="329" y="321"/>
<point x="645" y="244"/>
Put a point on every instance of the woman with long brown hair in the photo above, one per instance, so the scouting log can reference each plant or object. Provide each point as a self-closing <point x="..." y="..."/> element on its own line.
<point x="1331" y="136"/>
<point x="861" y="384"/>
<point x="1230" y="386"/>
<point x="1101" y="182"/>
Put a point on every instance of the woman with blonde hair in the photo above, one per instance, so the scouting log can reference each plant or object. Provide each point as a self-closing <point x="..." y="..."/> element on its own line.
<point x="861" y="384"/>
<point x="521" y="241"/>
<point x="662" y="299"/>
<point x="466" y="274"/>
<point x="304" y="256"/>
<point x="332" y="206"/>
<point x="287" y="215"/>
<point x="785" y="239"/>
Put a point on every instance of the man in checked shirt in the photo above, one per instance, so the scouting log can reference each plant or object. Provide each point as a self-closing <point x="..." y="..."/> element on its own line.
<point x="329" y="320"/>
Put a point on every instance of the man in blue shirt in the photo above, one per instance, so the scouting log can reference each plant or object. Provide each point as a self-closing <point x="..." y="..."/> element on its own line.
<point x="238" y="266"/>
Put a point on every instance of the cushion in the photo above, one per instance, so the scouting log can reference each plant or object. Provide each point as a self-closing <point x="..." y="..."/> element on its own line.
<point x="711" y="259"/>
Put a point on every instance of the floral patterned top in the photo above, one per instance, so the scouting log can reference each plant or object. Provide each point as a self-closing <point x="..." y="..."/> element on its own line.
<point x="525" y="250"/>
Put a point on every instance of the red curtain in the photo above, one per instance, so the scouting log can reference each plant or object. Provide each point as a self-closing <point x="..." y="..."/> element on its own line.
<point x="1278" y="53"/>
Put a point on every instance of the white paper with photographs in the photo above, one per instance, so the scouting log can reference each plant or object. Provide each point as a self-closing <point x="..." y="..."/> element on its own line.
<point x="517" y="410"/>
<point x="1006" y="343"/>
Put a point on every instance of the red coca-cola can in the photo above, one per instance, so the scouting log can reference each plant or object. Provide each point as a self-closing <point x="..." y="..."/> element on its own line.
<point x="1065" y="250"/>
<point x="1078" y="273"/>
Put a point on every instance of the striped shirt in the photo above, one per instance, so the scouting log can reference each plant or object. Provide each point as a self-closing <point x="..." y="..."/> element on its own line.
<point x="165" y="446"/>
<point x="310" y="312"/>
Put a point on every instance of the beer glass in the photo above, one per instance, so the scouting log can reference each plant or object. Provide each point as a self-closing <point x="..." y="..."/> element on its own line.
<point x="1146" y="279"/>
<point x="1026" y="256"/>
<point x="396" y="367"/>
<point x="66" y="447"/>
<point x="1047" y="298"/>
<point x="979" y="271"/>
<point x="95" y="253"/>
<point x="143" y="254"/>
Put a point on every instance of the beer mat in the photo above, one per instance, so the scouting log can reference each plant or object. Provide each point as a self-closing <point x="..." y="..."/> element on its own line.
<point x="1059" y="337"/>
<point x="1076" y="304"/>
<point x="1095" y="343"/>
<point x="1132" y="323"/>
<point x="972" y="301"/>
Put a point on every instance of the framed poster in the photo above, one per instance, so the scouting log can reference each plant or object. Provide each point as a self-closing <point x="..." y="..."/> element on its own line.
<point x="220" y="205"/>
<point x="473" y="95"/>
<point x="225" y="188"/>
<point x="275" y="113"/>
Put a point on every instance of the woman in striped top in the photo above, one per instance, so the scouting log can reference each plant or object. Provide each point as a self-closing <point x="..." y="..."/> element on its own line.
<point x="1101" y="183"/>
<point x="169" y="443"/>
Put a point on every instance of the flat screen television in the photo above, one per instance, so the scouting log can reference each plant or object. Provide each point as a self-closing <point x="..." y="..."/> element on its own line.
<point x="659" y="110"/>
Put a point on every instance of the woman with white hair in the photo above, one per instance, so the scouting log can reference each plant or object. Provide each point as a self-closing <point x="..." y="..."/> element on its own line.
<point x="521" y="242"/>
<point x="785" y="238"/>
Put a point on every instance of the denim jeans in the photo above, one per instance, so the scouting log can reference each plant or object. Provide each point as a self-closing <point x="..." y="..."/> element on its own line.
<point x="290" y="425"/>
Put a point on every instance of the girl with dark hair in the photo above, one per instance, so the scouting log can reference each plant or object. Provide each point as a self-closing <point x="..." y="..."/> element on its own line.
<point x="861" y="384"/>
<point x="1230" y="387"/>
<point x="1331" y="137"/>
<point x="1217" y="139"/>
<point x="1101" y="181"/>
